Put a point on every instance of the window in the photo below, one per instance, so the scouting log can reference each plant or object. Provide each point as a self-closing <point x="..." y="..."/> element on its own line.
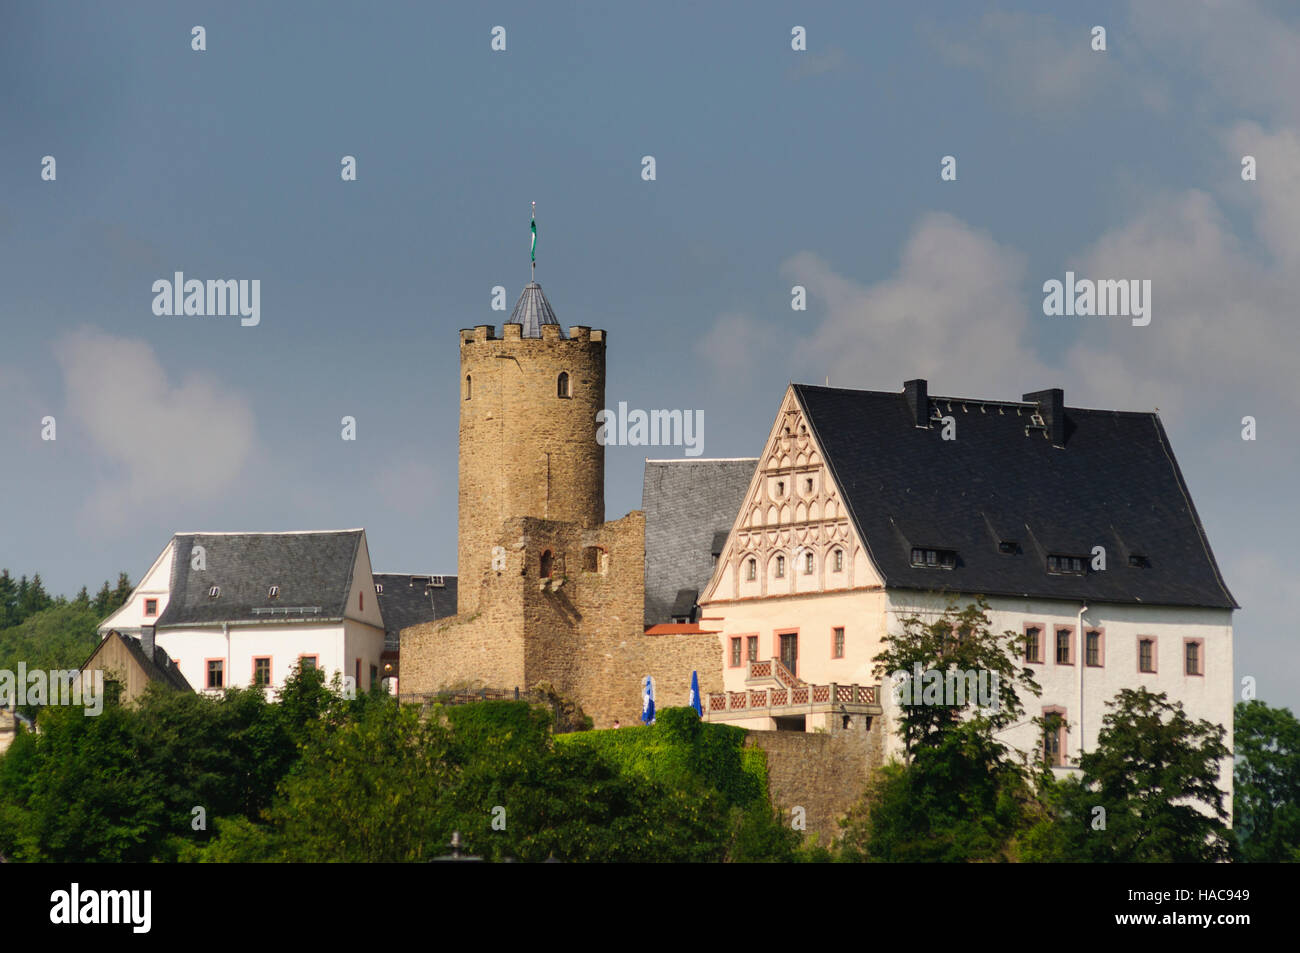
<point x="753" y="569"/>
<point x="262" y="671"/>
<point x="548" y="562"/>
<point x="214" y="592"/>
<point x="1146" y="655"/>
<point x="216" y="673"/>
<point x="1192" y="657"/>
<point x="1093" y="648"/>
<point x="837" y="642"/>
<point x="751" y="647"/>
<point x="1053" y="740"/>
<point x="357" y="674"/>
<point x="1007" y="547"/>
<point x="374" y="674"/>
<point x="1136" y="561"/>
<point x="379" y="588"/>
<point x="780" y="488"/>
<point x="735" y="652"/>
<point x="807" y="564"/>
<point x="307" y="662"/>
<point x="1064" y="638"/>
<point x="780" y="567"/>
<point x="1033" y="647"/>
<point x="837" y="560"/>
<point x="807" y="485"/>
<point x="273" y="592"/>
<point x="361" y="601"/>
<point x="151" y="607"/>
<point x="591" y="559"/>
<point x="934" y="558"/>
<point x="1072" y="565"/>
<point x="562" y="385"/>
<point x="469" y="387"/>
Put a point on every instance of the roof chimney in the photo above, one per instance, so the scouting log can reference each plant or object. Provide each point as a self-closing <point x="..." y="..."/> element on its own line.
<point x="1051" y="406"/>
<point x="146" y="641"/>
<point x="918" y="401"/>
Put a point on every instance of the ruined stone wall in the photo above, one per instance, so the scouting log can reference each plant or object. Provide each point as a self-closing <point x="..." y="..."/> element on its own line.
<point x="825" y="774"/>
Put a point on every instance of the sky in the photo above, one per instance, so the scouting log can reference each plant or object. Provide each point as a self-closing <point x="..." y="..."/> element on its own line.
<point x="774" y="168"/>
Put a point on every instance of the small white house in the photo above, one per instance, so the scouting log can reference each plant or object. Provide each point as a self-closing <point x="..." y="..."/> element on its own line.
<point x="237" y="609"/>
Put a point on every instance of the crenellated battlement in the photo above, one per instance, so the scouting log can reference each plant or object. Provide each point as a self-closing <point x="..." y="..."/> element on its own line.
<point x="551" y="334"/>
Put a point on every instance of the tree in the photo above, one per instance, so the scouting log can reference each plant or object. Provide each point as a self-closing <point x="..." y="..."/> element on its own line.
<point x="35" y="598"/>
<point x="8" y="600"/>
<point x="1148" y="792"/>
<point x="82" y="601"/>
<point x="121" y="593"/>
<point x="961" y="795"/>
<point x="1266" y="802"/>
<point x="103" y="599"/>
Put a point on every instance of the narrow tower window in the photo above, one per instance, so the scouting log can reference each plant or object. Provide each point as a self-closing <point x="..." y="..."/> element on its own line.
<point x="547" y="562"/>
<point x="469" y="387"/>
<point x="562" y="385"/>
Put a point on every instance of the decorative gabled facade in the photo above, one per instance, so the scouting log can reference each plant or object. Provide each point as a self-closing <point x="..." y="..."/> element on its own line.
<point x="868" y="507"/>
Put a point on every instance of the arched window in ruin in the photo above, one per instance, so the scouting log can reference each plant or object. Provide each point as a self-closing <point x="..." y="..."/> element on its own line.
<point x="562" y="385"/>
<point x="548" y="563"/>
<point x="593" y="559"/>
<point x="469" y="387"/>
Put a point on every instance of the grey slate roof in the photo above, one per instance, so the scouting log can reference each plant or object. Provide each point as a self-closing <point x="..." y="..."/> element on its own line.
<point x="687" y="503"/>
<point x="532" y="310"/>
<point x="1113" y="483"/>
<point x="313" y="571"/>
<point x="408" y="600"/>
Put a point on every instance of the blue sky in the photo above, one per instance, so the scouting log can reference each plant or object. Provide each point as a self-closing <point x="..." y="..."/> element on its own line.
<point x="774" y="168"/>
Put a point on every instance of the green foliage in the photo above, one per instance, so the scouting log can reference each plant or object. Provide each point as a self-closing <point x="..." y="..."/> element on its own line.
<point x="1155" y="775"/>
<point x="1266" y="792"/>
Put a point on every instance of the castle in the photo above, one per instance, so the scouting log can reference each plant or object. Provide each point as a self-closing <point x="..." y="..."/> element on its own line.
<point x="548" y="591"/>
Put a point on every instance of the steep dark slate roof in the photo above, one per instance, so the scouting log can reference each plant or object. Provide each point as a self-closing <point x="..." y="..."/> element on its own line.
<point x="313" y="571"/>
<point x="1114" y="483"/>
<point x="408" y="600"/>
<point x="686" y="503"/>
<point x="532" y="310"/>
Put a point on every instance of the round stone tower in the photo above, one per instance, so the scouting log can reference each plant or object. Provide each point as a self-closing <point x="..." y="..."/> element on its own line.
<point x="528" y="405"/>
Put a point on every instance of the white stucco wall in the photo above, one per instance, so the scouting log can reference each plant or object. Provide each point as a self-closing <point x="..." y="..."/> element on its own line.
<point x="154" y="584"/>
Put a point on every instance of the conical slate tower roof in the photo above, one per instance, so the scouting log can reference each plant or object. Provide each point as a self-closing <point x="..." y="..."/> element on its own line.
<point x="532" y="310"/>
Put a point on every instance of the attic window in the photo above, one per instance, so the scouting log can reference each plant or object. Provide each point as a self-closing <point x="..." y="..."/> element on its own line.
<point x="273" y="592"/>
<point x="379" y="588"/>
<point x="214" y="592"/>
<point x="1007" y="547"/>
<point x="1138" y="562"/>
<point x="1071" y="565"/>
<point x="934" y="558"/>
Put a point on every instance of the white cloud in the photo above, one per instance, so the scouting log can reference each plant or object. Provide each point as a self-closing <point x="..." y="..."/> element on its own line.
<point x="410" y="486"/>
<point x="155" y="442"/>
<point x="953" y="313"/>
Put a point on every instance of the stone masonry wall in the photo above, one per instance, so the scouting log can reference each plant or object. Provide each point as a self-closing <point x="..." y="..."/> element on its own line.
<point x="825" y="774"/>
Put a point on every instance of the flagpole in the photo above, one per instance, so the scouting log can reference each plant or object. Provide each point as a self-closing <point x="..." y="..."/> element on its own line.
<point x="534" y="250"/>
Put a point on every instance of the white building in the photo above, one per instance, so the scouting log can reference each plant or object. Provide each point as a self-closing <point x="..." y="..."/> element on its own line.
<point x="867" y="507"/>
<point x="237" y="609"/>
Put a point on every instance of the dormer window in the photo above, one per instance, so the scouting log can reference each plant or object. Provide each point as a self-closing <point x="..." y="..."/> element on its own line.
<point x="379" y="588"/>
<point x="214" y="592"/>
<point x="273" y="592"/>
<point x="1137" y="561"/>
<point x="1007" y="547"/>
<point x="934" y="558"/>
<point x="1069" y="565"/>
